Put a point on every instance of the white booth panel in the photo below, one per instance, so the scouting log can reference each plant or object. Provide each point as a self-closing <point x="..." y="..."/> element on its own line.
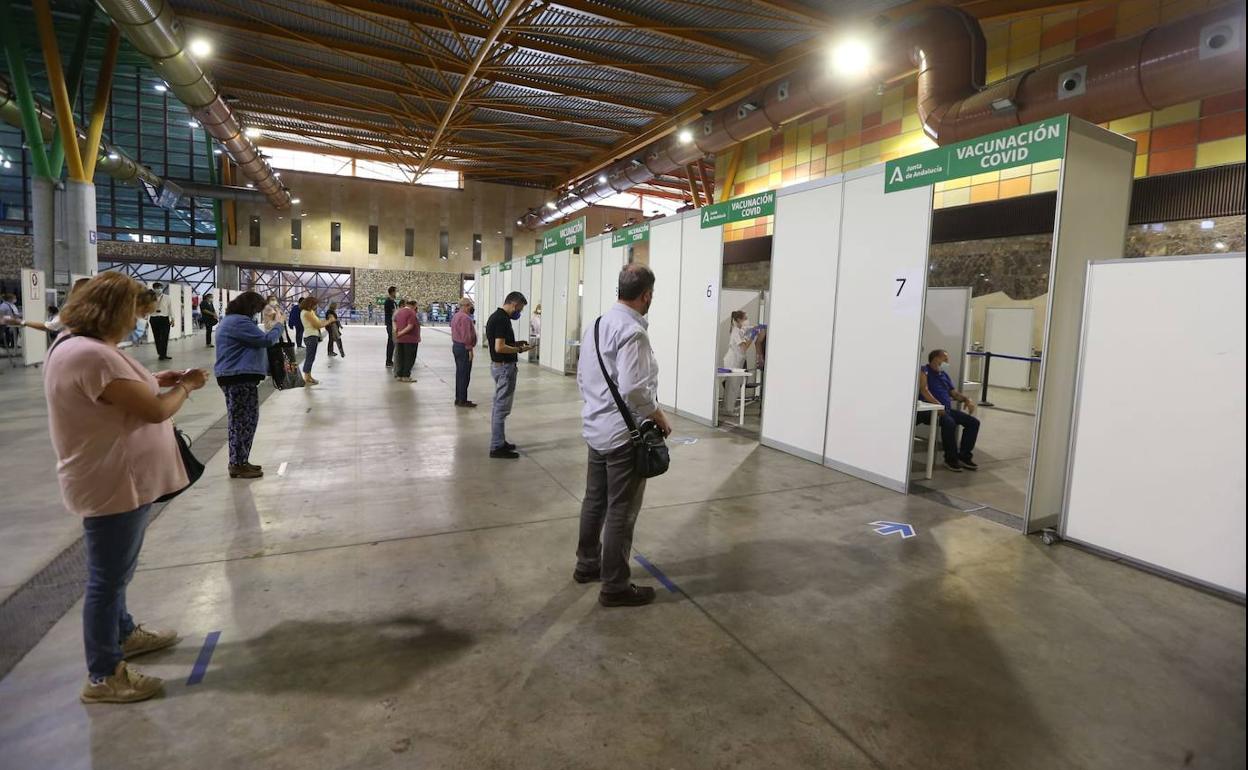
<point x="946" y="318"/>
<point x="572" y="320"/>
<point x="701" y="269"/>
<point x="1147" y="481"/>
<point x="1007" y="330"/>
<point x="591" y="302"/>
<point x="805" y="253"/>
<point x="664" y="318"/>
<point x="613" y="260"/>
<point x="555" y="313"/>
<point x="550" y="335"/>
<point x="878" y="329"/>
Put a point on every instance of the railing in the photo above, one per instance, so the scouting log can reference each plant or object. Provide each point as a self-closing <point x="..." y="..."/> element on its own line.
<point x="988" y="356"/>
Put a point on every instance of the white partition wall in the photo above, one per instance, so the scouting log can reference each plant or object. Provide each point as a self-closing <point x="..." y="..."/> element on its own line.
<point x="613" y="260"/>
<point x="1160" y="485"/>
<point x="536" y="300"/>
<point x="34" y="308"/>
<point x="946" y="317"/>
<point x="664" y="318"/>
<point x="701" y="270"/>
<point x="878" y="328"/>
<point x="1007" y="330"/>
<point x="187" y="316"/>
<point x="547" y="355"/>
<point x="805" y="253"/>
<point x="520" y="282"/>
<point x="572" y="321"/>
<point x="174" y="292"/>
<point x="591" y="301"/>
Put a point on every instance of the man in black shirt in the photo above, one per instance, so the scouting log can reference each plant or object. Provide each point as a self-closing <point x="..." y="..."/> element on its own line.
<point x="390" y="305"/>
<point x="504" y="352"/>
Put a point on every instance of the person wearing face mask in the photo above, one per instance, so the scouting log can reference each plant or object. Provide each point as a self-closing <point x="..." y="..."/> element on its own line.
<point x="463" y="345"/>
<point x="613" y="487"/>
<point x="734" y="357"/>
<point x="242" y="364"/>
<point x="936" y="387"/>
<point x="504" y="353"/>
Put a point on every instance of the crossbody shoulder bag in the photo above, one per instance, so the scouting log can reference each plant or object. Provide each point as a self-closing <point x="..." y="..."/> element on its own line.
<point x="650" y="453"/>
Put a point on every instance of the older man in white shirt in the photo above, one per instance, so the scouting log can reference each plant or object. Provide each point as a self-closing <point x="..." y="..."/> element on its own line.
<point x="162" y="321"/>
<point x="614" y="488"/>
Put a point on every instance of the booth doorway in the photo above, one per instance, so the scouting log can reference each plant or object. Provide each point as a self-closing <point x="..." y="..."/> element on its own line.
<point x="741" y="358"/>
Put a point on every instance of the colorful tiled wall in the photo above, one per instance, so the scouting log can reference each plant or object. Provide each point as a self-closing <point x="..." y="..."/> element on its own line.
<point x="870" y="129"/>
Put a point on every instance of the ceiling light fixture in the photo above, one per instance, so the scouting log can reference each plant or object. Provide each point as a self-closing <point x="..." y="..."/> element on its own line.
<point x="254" y="133"/>
<point x="685" y="136"/>
<point x="161" y="87"/>
<point x="851" y="58"/>
<point x="294" y="200"/>
<point x="114" y="156"/>
<point x="200" y="48"/>
<point x="602" y="179"/>
<point x="193" y="123"/>
<point x="551" y="205"/>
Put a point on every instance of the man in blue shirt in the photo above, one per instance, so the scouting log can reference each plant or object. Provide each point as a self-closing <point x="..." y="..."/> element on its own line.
<point x="936" y="387"/>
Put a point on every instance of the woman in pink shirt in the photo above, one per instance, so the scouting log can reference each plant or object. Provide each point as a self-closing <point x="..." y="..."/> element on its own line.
<point x="116" y="453"/>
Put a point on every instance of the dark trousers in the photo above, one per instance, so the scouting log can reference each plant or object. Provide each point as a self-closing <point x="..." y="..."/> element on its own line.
<point x="463" y="371"/>
<point x="389" y="344"/>
<point x="335" y="339"/>
<point x="309" y="357"/>
<point x="160" y="331"/>
<point x="613" y="493"/>
<point x="949" y="422"/>
<point x="208" y="331"/>
<point x="242" y="409"/>
<point x="405" y="358"/>
<point x="112" y="546"/>
<point x="298" y="336"/>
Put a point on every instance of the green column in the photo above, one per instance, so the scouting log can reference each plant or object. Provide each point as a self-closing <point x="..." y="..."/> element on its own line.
<point x="16" y="57"/>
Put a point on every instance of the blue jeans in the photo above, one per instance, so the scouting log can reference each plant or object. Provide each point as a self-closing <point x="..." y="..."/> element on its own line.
<point x="463" y="371"/>
<point x="112" y="545"/>
<point x="504" y="392"/>
<point x="309" y="358"/>
<point x="949" y="422"/>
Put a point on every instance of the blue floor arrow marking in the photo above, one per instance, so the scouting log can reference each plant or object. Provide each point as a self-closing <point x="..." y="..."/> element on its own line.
<point x="887" y="528"/>
<point x="205" y="655"/>
<point x="658" y="573"/>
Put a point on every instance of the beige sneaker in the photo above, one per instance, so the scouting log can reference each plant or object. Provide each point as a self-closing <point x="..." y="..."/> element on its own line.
<point x="141" y="641"/>
<point x="125" y="686"/>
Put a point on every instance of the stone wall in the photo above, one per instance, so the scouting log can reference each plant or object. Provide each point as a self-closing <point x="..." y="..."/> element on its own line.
<point x="754" y="276"/>
<point x="17" y="251"/>
<point x="424" y="287"/>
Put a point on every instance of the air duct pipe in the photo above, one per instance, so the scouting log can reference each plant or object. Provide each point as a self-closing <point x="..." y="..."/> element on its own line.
<point x="1193" y="58"/>
<point x="112" y="161"/>
<point x="152" y="27"/>
<point x="218" y="191"/>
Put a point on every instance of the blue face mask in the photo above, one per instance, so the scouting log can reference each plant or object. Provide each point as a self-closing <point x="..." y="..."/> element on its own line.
<point x="515" y="316"/>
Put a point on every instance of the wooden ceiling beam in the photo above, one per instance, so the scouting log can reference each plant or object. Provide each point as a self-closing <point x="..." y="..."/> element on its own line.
<point x="628" y="19"/>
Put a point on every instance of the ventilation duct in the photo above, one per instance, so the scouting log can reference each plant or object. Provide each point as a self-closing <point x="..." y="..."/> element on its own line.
<point x="152" y="27"/>
<point x="1193" y="58"/>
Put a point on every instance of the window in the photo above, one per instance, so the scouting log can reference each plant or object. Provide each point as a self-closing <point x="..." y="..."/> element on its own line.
<point x="335" y="236"/>
<point x="409" y="242"/>
<point x="342" y="165"/>
<point x="476" y="247"/>
<point x="296" y="233"/>
<point x="507" y="247"/>
<point x="254" y="232"/>
<point x="372" y="239"/>
<point x="444" y="244"/>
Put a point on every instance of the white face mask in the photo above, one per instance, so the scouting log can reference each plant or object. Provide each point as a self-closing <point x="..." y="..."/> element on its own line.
<point x="944" y="366"/>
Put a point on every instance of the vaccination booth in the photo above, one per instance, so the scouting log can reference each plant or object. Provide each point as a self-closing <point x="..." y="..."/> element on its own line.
<point x="562" y="247"/>
<point x="848" y="293"/>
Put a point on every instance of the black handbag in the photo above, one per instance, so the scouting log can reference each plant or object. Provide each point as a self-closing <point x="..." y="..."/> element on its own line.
<point x="194" y="468"/>
<point x="650" y="455"/>
<point x="284" y="365"/>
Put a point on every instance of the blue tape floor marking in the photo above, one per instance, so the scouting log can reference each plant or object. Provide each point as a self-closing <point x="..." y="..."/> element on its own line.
<point x="658" y="573"/>
<point x="205" y="655"/>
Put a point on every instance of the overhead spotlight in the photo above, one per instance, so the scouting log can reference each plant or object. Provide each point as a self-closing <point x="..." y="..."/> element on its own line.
<point x="193" y="123"/>
<point x="161" y="87"/>
<point x="685" y="136"/>
<point x="602" y="179"/>
<point x="200" y="48"/>
<point x="217" y="151"/>
<point x="519" y="223"/>
<point x="294" y="200"/>
<point x="8" y="164"/>
<point x="851" y="58"/>
<point x="551" y="205"/>
<point x="249" y="184"/>
<point x="114" y="156"/>
<point x="303" y="213"/>
<point x="254" y="133"/>
<point x="1003" y="106"/>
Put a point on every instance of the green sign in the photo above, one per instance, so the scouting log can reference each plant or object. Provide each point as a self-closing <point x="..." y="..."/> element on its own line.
<point x="533" y="259"/>
<point x="636" y="234"/>
<point x="485" y="270"/>
<point x="380" y="299"/>
<point x="1032" y="143"/>
<point x="564" y="237"/>
<point x="739" y="209"/>
<point x="504" y="267"/>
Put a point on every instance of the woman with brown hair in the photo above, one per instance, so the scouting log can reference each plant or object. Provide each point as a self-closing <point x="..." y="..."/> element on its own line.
<point x="110" y="426"/>
<point x="312" y="326"/>
<point x="242" y="363"/>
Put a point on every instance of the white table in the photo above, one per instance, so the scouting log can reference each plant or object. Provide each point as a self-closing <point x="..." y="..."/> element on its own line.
<point x="742" y="375"/>
<point x="933" y="437"/>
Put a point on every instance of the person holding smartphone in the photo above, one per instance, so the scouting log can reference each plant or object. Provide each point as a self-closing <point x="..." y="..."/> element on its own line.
<point x="109" y="419"/>
<point x="504" y="355"/>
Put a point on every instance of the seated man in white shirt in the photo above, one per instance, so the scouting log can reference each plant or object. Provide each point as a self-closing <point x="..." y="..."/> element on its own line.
<point x="614" y="488"/>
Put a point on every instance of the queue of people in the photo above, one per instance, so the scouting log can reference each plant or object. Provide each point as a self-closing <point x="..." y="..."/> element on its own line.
<point x="110" y="418"/>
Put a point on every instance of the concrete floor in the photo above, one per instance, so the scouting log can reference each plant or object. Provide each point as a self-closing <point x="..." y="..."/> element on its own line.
<point x="395" y="599"/>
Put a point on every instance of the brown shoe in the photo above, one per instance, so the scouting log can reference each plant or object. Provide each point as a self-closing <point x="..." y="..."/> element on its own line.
<point x="125" y="686"/>
<point x="245" y="472"/>
<point x="141" y="641"/>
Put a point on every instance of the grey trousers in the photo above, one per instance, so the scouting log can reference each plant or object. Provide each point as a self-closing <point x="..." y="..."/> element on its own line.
<point x="504" y="394"/>
<point x="613" y="493"/>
